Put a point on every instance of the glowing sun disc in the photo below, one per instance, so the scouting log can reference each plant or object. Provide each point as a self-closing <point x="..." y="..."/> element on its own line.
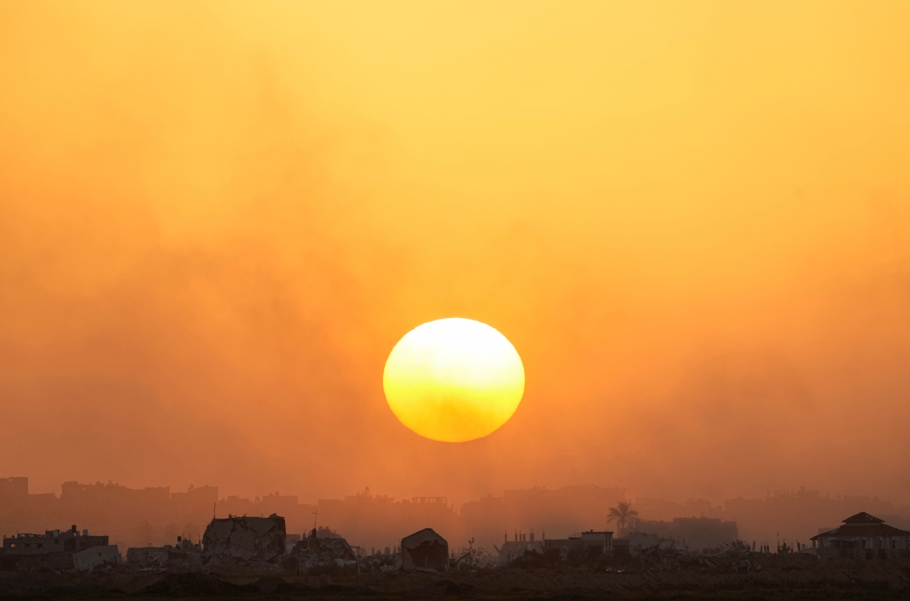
<point x="453" y="380"/>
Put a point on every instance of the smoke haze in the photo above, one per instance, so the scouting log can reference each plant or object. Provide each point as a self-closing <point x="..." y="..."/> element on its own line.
<point x="692" y="221"/>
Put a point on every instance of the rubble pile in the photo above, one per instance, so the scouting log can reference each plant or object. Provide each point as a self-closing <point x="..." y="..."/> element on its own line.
<point x="184" y="556"/>
<point x="95" y="557"/>
<point x="315" y="551"/>
<point x="381" y="562"/>
<point x="244" y="539"/>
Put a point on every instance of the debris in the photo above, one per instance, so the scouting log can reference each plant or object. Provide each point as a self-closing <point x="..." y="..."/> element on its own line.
<point x="147" y="557"/>
<point x="185" y="554"/>
<point x="315" y="551"/>
<point x="96" y="556"/>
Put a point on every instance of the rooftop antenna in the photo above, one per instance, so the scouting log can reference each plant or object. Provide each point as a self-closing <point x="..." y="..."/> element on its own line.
<point x="315" y="516"/>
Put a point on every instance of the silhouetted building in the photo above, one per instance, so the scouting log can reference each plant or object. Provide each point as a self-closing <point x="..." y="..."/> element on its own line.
<point x="13" y="489"/>
<point x="52" y="541"/>
<point x="245" y="539"/>
<point x="795" y="515"/>
<point x="521" y="544"/>
<point x="425" y="549"/>
<point x="379" y="520"/>
<point x="692" y="533"/>
<point x="863" y="536"/>
<point x="566" y="509"/>
<point x="76" y="496"/>
<point x="195" y="498"/>
<point x="14" y="497"/>
<point x="54" y="549"/>
<point x="94" y="557"/>
<point x="590" y="543"/>
<point x="635" y="542"/>
<point x="185" y="554"/>
<point x="593" y="539"/>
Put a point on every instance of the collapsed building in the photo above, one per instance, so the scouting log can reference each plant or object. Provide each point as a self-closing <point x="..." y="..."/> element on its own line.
<point x="313" y="551"/>
<point x="58" y="550"/>
<point x="97" y="556"/>
<point x="426" y="550"/>
<point x="244" y="539"/>
<point x="148" y="557"/>
<point x="185" y="553"/>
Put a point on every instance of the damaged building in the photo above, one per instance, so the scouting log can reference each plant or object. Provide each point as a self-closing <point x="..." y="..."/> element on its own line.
<point x="97" y="556"/>
<point x="148" y="557"/>
<point x="58" y="550"/>
<point x="185" y="553"/>
<point x="425" y="549"/>
<point x="246" y="539"/>
<point x="314" y="550"/>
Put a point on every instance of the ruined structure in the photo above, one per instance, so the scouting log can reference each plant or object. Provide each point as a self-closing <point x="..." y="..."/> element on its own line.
<point x="95" y="557"/>
<point x="185" y="554"/>
<point x="246" y="539"/>
<point x="319" y="551"/>
<point x="424" y="549"/>
<point x="863" y="536"/>
<point x="148" y="557"/>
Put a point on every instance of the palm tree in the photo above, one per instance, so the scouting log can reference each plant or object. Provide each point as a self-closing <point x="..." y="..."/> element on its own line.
<point x="623" y="515"/>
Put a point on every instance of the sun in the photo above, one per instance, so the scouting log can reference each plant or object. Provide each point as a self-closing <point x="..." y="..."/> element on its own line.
<point x="453" y="380"/>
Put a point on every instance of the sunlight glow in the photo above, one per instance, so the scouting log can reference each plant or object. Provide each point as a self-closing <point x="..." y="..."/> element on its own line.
<point x="453" y="380"/>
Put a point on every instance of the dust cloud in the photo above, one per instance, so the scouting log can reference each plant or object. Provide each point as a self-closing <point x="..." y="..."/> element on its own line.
<point x="216" y="219"/>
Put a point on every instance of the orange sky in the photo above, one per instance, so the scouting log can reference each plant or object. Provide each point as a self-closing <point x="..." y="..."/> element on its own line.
<point x="691" y="219"/>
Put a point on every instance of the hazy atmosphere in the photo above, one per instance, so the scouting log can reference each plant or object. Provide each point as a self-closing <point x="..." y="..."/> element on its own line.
<point x="691" y="220"/>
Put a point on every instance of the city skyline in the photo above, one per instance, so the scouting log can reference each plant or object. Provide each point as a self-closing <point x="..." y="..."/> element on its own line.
<point x="372" y="518"/>
<point x="690" y="223"/>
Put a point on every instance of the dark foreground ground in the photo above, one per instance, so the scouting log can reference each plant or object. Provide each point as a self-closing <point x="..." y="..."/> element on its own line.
<point x="793" y="578"/>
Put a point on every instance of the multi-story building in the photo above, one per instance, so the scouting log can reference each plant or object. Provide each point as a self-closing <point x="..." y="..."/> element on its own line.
<point x="54" y="549"/>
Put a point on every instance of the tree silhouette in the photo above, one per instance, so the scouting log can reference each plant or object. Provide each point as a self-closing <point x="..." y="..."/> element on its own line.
<point x="623" y="515"/>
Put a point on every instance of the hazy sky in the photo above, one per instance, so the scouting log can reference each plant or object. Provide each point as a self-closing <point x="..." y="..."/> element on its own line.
<point x="691" y="219"/>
